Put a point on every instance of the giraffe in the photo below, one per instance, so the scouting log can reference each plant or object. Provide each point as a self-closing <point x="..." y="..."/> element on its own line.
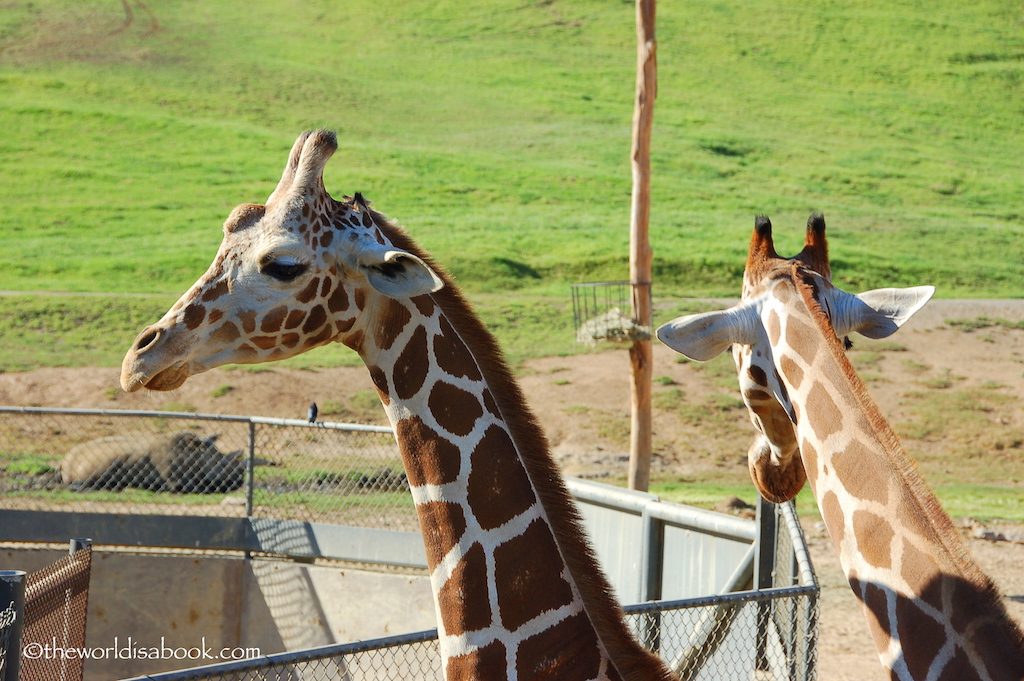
<point x="518" y="593"/>
<point x="773" y="457"/>
<point x="932" y="612"/>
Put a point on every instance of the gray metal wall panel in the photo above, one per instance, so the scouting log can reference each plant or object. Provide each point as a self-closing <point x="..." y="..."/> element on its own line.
<point x="697" y="564"/>
<point x="618" y="539"/>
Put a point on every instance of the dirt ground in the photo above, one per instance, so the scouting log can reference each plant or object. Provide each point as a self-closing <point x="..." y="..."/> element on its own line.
<point x="583" y="403"/>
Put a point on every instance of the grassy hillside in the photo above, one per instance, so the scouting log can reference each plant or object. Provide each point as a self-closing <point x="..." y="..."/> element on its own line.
<point x="498" y="133"/>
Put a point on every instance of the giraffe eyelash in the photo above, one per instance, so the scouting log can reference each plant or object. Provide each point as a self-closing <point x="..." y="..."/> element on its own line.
<point x="284" y="270"/>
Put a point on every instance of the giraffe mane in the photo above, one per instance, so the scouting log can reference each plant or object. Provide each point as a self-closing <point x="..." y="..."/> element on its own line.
<point x="938" y="520"/>
<point x="632" y="661"/>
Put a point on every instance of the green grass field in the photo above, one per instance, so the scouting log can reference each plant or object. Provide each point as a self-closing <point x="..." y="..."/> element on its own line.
<point x="498" y="133"/>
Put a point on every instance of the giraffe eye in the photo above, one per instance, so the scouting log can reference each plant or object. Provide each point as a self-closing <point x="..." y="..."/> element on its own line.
<point x="283" y="270"/>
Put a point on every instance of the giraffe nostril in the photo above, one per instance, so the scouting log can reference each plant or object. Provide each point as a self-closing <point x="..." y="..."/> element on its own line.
<point x="146" y="339"/>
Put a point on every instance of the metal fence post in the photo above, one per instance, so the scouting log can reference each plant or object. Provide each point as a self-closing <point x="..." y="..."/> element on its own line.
<point x="12" y="621"/>
<point x="79" y="544"/>
<point x="764" y="571"/>
<point x="250" y="479"/>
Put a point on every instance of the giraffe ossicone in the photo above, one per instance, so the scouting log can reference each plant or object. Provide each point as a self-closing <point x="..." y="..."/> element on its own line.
<point x="932" y="612"/>
<point x="517" y="588"/>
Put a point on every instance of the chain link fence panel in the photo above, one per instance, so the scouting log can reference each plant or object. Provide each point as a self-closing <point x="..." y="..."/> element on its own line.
<point x="159" y="463"/>
<point x="56" y="601"/>
<point x="700" y="640"/>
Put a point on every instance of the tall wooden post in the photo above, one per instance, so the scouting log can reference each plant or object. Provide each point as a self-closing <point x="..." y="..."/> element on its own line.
<point x="640" y="354"/>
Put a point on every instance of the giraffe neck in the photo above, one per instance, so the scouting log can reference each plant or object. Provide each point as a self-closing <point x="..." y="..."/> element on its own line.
<point x="517" y="589"/>
<point x="932" y="612"/>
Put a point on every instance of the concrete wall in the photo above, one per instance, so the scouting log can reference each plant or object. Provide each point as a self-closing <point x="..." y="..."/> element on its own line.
<point x="181" y="602"/>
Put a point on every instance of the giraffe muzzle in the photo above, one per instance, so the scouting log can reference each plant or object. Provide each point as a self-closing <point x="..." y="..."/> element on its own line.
<point x="147" y="364"/>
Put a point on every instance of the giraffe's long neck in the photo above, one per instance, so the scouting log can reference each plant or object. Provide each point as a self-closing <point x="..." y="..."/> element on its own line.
<point x="517" y="590"/>
<point x="932" y="612"/>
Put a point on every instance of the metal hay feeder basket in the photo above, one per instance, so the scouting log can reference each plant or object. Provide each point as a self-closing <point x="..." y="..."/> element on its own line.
<point x="601" y="314"/>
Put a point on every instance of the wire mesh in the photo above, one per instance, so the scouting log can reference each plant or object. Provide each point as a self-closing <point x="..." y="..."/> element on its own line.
<point x="194" y="464"/>
<point x="601" y="314"/>
<point x="700" y="640"/>
<point x="56" y="601"/>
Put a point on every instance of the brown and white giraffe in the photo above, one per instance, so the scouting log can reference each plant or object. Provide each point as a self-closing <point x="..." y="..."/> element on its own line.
<point x="517" y="589"/>
<point x="932" y="612"/>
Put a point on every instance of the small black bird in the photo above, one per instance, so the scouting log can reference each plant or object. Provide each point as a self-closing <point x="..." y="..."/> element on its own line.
<point x="312" y="412"/>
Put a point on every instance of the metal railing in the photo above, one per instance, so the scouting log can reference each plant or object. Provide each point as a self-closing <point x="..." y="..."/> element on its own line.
<point x="767" y="634"/>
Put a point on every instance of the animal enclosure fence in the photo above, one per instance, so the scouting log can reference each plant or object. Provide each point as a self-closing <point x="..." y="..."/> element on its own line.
<point x="768" y="634"/>
<point x="167" y="463"/>
<point x="338" y="492"/>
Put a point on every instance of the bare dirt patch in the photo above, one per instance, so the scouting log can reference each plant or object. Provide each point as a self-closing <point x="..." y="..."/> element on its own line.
<point x="954" y="396"/>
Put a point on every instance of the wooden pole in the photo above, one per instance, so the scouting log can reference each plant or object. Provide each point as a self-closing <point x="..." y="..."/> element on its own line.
<point x="640" y="354"/>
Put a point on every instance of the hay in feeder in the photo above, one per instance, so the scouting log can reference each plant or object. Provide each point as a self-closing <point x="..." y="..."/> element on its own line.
<point x="612" y="326"/>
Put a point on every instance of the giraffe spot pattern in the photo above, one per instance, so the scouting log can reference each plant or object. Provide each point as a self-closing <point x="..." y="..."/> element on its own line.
<point x="499" y="488"/>
<point x="410" y="370"/>
<point x="491" y="405"/>
<point x="248" y="319"/>
<point x="317" y="318"/>
<point x="425" y="305"/>
<point x="395" y="317"/>
<point x="227" y="333"/>
<point x="360" y="298"/>
<point x="568" y="651"/>
<point x="380" y="381"/>
<point x="452" y="355"/>
<point x="326" y="287"/>
<point x="774" y="327"/>
<point x="874" y="537"/>
<point x="294" y="318"/>
<point x="876" y="603"/>
<point x="914" y="625"/>
<point x="757" y="374"/>
<point x="822" y="412"/>
<point x="796" y="332"/>
<point x="916" y="567"/>
<point x="810" y="457"/>
<point x="832" y="514"/>
<point x="338" y="300"/>
<point x="456" y="410"/>
<point x="214" y="316"/>
<point x="429" y="458"/>
<point x="194" y="316"/>
<point x="355" y="341"/>
<point x="528" y="576"/>
<point x="264" y="342"/>
<point x="792" y="371"/>
<point x="463" y="599"/>
<point x="442" y="524"/>
<point x="290" y="340"/>
<point x="309" y="292"/>
<point x="216" y="291"/>
<point x="324" y="335"/>
<point x="273" y="320"/>
<point x="326" y="239"/>
<point x="853" y="459"/>
<point x="488" y="662"/>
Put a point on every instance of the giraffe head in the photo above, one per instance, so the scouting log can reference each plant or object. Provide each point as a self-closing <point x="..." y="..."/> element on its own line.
<point x="290" y="275"/>
<point x="773" y="457"/>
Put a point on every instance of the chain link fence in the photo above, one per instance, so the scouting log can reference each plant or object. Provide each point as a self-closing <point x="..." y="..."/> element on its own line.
<point x="166" y="463"/>
<point x="765" y="635"/>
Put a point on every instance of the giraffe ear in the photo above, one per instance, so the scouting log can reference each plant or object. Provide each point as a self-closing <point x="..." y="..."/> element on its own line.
<point x="704" y="336"/>
<point x="878" y="313"/>
<point x="398" y="273"/>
